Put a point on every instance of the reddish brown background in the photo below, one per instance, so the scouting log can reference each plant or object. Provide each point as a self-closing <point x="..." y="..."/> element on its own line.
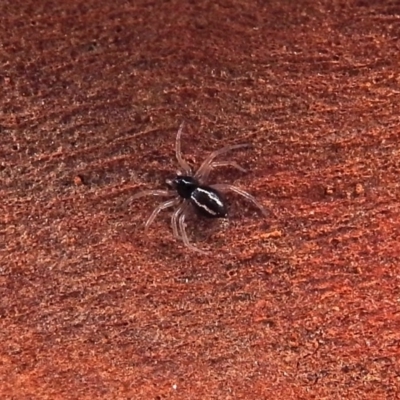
<point x="302" y="305"/>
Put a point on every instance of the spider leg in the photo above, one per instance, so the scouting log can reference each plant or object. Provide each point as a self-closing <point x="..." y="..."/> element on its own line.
<point x="182" y="163"/>
<point x="248" y="196"/>
<point x="174" y="219"/>
<point x="144" y="193"/>
<point x="184" y="236"/>
<point x="216" y="164"/>
<point x="159" y="208"/>
<point x="204" y="168"/>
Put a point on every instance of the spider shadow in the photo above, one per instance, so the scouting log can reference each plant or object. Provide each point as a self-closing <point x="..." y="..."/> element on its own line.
<point x="202" y="229"/>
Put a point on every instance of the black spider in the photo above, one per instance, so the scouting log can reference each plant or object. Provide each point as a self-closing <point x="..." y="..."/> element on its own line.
<point x="205" y="199"/>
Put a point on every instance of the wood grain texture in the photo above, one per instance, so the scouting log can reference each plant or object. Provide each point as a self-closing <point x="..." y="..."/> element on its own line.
<point x="301" y="305"/>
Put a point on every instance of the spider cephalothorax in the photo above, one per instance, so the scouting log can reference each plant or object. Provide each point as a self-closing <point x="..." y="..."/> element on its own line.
<point x="190" y="190"/>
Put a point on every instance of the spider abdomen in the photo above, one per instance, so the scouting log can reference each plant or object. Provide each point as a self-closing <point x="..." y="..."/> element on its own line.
<point x="208" y="202"/>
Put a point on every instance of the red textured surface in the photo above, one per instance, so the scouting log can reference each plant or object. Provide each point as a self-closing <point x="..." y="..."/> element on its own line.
<point x="303" y="305"/>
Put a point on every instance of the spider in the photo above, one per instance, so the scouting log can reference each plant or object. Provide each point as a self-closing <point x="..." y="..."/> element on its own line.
<point x="190" y="191"/>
